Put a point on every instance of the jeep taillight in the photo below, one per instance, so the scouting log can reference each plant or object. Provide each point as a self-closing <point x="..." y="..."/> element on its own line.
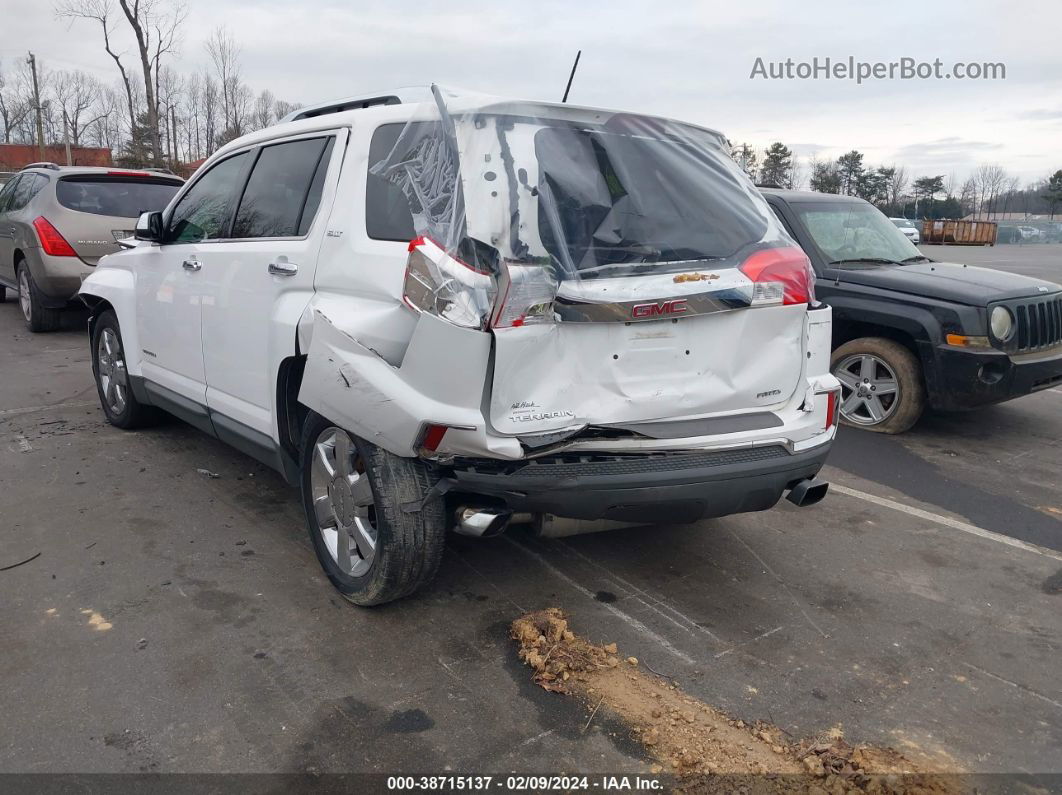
<point x="53" y="243"/>
<point x="780" y="276"/>
<point x="442" y="285"/>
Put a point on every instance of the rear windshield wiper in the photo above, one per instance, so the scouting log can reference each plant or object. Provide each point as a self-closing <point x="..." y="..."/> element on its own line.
<point x="871" y="260"/>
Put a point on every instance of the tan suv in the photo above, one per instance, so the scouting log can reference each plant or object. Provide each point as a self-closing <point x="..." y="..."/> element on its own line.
<point x="56" y="222"/>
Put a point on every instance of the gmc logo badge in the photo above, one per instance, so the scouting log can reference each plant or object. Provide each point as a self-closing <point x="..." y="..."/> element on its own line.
<point x="675" y="306"/>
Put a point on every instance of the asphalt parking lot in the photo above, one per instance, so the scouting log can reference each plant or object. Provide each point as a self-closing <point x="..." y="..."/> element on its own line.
<point x="179" y="622"/>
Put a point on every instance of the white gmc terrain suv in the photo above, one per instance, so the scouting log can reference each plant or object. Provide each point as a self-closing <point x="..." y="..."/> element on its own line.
<point x="439" y="311"/>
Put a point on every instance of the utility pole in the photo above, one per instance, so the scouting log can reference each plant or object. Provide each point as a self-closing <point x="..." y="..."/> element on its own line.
<point x="37" y="104"/>
<point x="66" y="139"/>
<point x="173" y="126"/>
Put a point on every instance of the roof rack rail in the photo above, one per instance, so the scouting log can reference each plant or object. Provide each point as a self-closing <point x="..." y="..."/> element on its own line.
<point x="398" y="96"/>
<point x="42" y="164"/>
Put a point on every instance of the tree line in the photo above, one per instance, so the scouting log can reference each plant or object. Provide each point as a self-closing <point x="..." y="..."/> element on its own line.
<point x="988" y="192"/>
<point x="151" y="115"/>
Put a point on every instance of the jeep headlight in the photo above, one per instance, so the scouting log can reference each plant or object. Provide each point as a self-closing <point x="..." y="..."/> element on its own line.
<point x="1001" y="321"/>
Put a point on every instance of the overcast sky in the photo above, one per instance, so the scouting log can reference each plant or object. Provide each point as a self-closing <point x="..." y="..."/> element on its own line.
<point x="682" y="59"/>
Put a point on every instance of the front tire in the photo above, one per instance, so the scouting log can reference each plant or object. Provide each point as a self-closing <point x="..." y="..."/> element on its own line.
<point x="372" y="548"/>
<point x="120" y="405"/>
<point x="881" y="385"/>
<point x="38" y="317"/>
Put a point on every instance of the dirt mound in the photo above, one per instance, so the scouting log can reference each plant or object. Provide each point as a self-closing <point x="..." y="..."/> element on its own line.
<point x="698" y="743"/>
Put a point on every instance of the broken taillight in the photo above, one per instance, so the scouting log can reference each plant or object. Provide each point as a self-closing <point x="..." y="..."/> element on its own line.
<point x="527" y="294"/>
<point x="442" y="285"/>
<point x="780" y="276"/>
<point x="466" y="295"/>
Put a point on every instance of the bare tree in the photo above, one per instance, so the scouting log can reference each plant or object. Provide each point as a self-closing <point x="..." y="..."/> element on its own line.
<point x="968" y="196"/>
<point x="78" y="96"/>
<point x="155" y="25"/>
<point x="102" y="12"/>
<point x="15" y="106"/>
<point x="897" y="184"/>
<point x="989" y="179"/>
<point x="262" y="115"/>
<point x="225" y="54"/>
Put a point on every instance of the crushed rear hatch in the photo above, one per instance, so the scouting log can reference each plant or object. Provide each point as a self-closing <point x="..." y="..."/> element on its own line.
<point x="627" y="268"/>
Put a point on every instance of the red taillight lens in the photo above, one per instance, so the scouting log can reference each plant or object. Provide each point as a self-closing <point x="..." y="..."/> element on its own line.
<point x="431" y="437"/>
<point x="53" y="243"/>
<point x="780" y="275"/>
<point x="833" y="398"/>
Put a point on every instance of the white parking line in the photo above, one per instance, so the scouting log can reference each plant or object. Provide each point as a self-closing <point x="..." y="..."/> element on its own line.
<point x="947" y="521"/>
<point x="630" y="620"/>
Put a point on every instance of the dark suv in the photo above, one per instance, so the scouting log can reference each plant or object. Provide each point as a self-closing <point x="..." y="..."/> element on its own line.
<point x="56" y="222"/>
<point x="907" y="330"/>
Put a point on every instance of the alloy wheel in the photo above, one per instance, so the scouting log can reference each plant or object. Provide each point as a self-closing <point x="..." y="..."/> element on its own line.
<point x="343" y="502"/>
<point x="870" y="392"/>
<point x="24" y="294"/>
<point x="114" y="380"/>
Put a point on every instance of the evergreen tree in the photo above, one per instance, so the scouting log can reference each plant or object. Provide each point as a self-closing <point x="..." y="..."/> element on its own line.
<point x="1053" y="193"/>
<point x="850" y="170"/>
<point x="777" y="168"/>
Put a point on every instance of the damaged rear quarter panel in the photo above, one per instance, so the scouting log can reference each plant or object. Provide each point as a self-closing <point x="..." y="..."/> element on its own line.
<point x="440" y="380"/>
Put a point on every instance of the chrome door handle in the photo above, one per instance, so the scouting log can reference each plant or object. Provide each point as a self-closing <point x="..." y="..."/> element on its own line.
<point x="192" y="265"/>
<point x="283" y="268"/>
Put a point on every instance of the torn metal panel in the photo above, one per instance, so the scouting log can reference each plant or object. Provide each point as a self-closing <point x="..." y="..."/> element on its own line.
<point x="440" y="380"/>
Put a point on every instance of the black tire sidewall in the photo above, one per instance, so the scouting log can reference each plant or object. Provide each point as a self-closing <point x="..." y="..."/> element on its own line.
<point x="109" y="320"/>
<point x="409" y="544"/>
<point x="343" y="582"/>
<point x="908" y="372"/>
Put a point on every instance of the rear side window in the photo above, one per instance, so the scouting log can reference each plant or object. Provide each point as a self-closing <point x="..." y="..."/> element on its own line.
<point x="280" y="192"/>
<point x="120" y="198"/>
<point x="29" y="185"/>
<point x="7" y="193"/>
<point x="387" y="212"/>
<point x="203" y="212"/>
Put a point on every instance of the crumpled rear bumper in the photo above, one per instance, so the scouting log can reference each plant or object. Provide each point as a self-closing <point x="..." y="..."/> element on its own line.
<point x="656" y="488"/>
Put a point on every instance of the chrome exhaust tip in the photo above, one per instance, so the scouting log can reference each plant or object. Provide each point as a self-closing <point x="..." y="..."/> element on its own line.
<point x="480" y="522"/>
<point x="808" y="492"/>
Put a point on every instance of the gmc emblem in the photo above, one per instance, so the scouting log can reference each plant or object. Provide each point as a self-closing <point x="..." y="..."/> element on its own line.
<point x="676" y="306"/>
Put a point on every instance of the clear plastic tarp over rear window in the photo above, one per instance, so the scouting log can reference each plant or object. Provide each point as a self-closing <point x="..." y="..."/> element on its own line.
<point x="583" y="193"/>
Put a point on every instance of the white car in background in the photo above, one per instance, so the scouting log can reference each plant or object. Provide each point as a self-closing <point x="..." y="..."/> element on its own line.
<point x="434" y="311"/>
<point x="909" y="228"/>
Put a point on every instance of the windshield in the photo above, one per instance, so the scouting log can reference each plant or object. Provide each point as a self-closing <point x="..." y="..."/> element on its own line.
<point x="854" y="231"/>
<point x="903" y="223"/>
<point x="589" y="194"/>
<point x="122" y="199"/>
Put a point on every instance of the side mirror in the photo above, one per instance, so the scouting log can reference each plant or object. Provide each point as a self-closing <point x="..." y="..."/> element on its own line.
<point x="149" y="227"/>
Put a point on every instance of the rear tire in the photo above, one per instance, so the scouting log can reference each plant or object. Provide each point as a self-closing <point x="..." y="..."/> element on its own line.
<point x="120" y="405"/>
<point x="38" y="317"/>
<point x="881" y="385"/>
<point x="353" y="492"/>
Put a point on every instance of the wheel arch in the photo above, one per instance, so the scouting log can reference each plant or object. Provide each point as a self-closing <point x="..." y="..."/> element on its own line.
<point x="115" y="289"/>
